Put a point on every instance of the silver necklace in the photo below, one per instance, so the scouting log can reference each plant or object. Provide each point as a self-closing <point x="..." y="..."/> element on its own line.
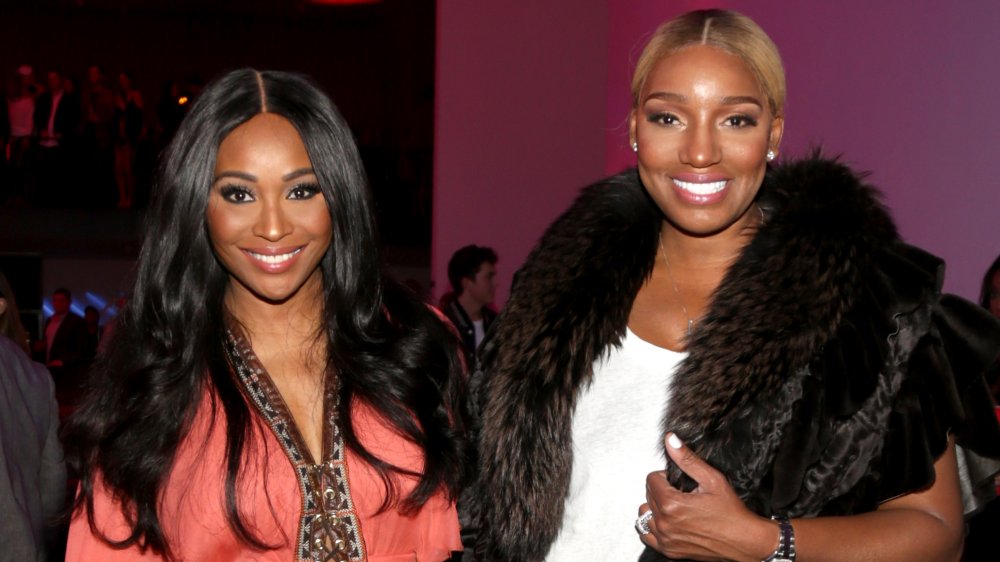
<point x="680" y="301"/>
<point x="670" y="274"/>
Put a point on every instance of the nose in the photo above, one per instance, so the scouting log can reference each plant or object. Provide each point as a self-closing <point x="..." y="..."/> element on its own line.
<point x="272" y="223"/>
<point x="701" y="147"/>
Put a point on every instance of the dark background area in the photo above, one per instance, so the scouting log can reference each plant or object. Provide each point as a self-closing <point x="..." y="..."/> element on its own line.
<point x="375" y="59"/>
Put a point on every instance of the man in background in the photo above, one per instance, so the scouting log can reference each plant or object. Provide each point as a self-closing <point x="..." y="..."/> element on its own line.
<point x="472" y="274"/>
<point x="57" y="119"/>
<point x="66" y="348"/>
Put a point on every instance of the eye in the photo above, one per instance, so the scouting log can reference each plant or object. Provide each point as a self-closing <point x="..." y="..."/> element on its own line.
<point x="236" y="193"/>
<point x="663" y="118"/>
<point x="304" y="191"/>
<point x="740" y="121"/>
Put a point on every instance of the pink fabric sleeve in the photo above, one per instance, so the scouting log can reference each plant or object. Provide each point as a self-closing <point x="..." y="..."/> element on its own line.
<point x="429" y="535"/>
<point x="85" y="546"/>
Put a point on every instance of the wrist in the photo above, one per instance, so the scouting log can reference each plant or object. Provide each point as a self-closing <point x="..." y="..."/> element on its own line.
<point x="756" y="542"/>
<point x="785" y="551"/>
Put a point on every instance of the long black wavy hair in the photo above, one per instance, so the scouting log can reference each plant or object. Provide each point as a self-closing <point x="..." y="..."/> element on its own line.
<point x="385" y="346"/>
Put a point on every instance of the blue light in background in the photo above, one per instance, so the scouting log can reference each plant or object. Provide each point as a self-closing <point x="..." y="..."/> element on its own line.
<point x="96" y="300"/>
<point x="107" y="308"/>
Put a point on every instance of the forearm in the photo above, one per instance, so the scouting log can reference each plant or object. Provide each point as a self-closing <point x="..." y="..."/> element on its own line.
<point x="886" y="535"/>
<point x="923" y="525"/>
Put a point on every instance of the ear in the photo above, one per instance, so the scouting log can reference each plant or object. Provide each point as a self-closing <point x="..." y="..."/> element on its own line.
<point x="777" y="129"/>
<point x="632" y="127"/>
<point x="3" y="306"/>
<point x="466" y="282"/>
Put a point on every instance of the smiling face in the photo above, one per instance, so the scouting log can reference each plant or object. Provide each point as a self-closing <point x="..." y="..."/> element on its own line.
<point x="267" y="219"/>
<point x="703" y="129"/>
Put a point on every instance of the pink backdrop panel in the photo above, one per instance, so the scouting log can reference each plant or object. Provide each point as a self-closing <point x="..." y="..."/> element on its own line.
<point x="904" y="89"/>
<point x="519" y="123"/>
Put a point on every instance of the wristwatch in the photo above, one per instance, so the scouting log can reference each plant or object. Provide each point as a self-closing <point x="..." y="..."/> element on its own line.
<point x="786" y="541"/>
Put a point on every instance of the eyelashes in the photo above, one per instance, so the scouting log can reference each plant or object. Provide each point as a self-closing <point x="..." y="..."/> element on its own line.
<point x="663" y="118"/>
<point x="304" y="191"/>
<point x="739" y="121"/>
<point x="236" y="193"/>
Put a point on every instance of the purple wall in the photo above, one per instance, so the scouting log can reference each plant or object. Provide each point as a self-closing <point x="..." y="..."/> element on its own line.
<point x="908" y="90"/>
<point x="519" y="122"/>
<point x="532" y="99"/>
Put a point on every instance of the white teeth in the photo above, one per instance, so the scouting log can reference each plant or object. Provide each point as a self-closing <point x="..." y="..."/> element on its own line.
<point x="701" y="188"/>
<point x="280" y="258"/>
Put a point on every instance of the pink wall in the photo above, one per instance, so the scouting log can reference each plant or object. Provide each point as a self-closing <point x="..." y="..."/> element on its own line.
<point x="519" y="122"/>
<point x="532" y="98"/>
<point x="906" y="89"/>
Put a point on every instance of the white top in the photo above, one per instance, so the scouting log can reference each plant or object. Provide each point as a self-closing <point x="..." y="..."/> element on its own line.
<point x="50" y="333"/>
<point x="616" y="443"/>
<point x="477" y="326"/>
<point x="51" y="127"/>
<point x="21" y="112"/>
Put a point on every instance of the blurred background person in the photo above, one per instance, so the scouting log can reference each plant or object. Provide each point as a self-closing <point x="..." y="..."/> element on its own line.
<point x="92" y="318"/>
<point x="983" y="544"/>
<point x="472" y="274"/>
<point x="57" y="122"/>
<point x="10" y="317"/>
<point x="97" y="107"/>
<point x="65" y="347"/>
<point x="32" y="471"/>
<point x="20" y="109"/>
<point x="128" y="125"/>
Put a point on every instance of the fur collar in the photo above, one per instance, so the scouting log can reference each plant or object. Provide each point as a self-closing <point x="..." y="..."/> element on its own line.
<point x="771" y="315"/>
<point x="783" y="299"/>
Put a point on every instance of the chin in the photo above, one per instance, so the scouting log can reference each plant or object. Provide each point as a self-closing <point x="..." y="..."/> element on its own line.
<point x="275" y="294"/>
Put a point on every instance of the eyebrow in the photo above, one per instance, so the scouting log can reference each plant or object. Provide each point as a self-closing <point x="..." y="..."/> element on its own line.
<point x="252" y="178"/>
<point x="728" y="100"/>
<point x="666" y="96"/>
<point x="736" y="100"/>
<point x="237" y="175"/>
<point x="297" y="174"/>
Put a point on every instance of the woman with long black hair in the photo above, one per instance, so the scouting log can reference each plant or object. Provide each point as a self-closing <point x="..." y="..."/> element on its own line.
<point x="268" y="394"/>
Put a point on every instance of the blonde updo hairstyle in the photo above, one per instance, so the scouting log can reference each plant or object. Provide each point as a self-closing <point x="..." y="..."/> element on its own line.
<point x="730" y="31"/>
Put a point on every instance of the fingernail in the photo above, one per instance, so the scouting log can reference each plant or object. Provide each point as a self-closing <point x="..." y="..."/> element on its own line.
<point x="674" y="441"/>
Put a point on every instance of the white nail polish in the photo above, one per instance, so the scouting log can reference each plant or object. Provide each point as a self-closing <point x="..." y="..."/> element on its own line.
<point x="674" y="441"/>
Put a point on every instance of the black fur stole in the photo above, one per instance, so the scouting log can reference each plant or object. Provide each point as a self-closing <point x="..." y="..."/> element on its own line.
<point x="824" y="288"/>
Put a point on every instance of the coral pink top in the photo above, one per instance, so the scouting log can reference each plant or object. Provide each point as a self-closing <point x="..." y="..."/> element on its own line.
<point x="193" y="515"/>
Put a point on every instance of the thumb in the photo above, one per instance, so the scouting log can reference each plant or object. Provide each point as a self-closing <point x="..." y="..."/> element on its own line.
<point x="690" y="463"/>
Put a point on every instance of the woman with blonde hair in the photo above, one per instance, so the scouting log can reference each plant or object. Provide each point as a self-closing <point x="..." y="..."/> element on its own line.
<point x="761" y="322"/>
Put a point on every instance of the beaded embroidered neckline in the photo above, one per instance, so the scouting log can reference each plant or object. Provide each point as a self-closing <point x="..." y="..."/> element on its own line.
<point x="329" y="529"/>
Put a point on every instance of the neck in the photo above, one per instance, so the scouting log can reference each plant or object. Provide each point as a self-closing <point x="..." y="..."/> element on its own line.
<point x="296" y="321"/>
<point x="471" y="306"/>
<point x="712" y="252"/>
